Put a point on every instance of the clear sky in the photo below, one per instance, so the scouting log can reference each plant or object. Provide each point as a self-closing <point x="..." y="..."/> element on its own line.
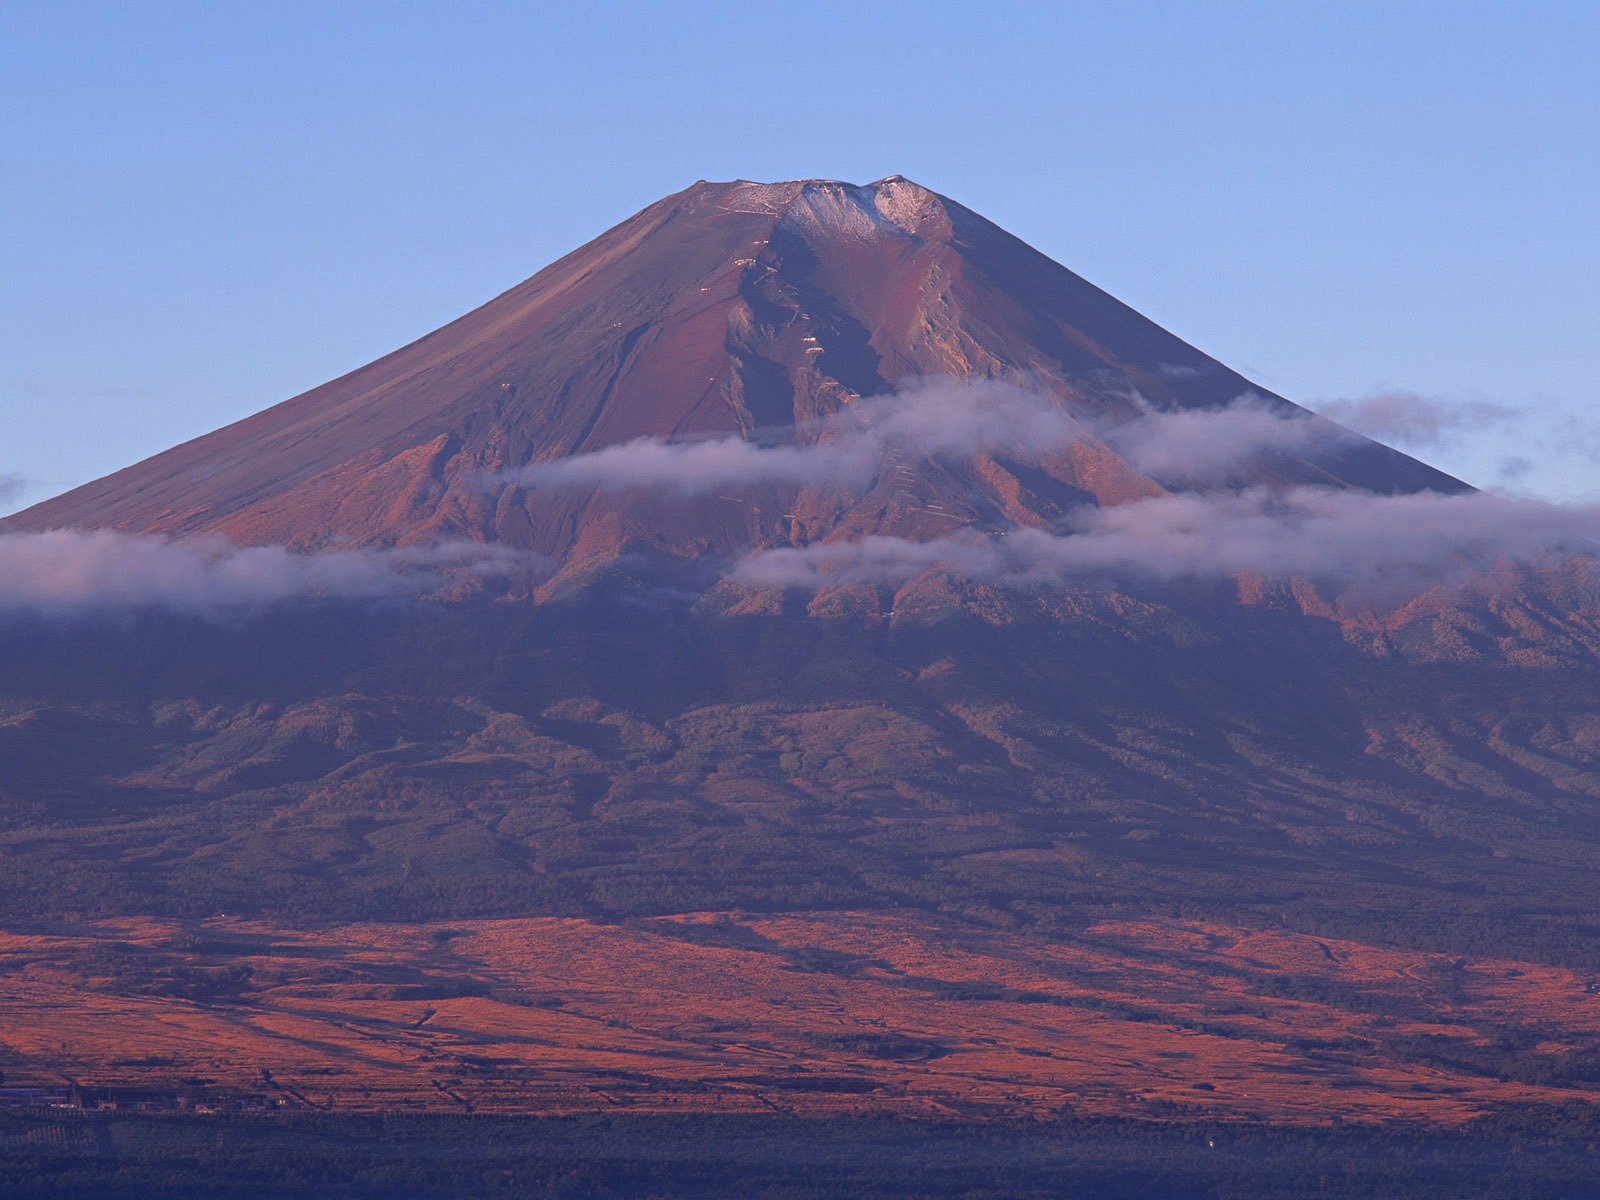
<point x="209" y="207"/>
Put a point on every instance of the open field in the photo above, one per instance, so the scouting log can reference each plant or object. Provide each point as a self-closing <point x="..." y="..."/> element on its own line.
<point x="895" y="1015"/>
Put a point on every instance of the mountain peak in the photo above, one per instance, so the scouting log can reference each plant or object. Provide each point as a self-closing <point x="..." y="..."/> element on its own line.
<point x="891" y="205"/>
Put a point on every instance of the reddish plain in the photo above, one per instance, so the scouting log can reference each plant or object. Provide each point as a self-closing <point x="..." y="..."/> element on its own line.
<point x="809" y="1014"/>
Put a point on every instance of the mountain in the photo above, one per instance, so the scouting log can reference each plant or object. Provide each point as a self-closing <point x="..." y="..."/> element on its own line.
<point x="744" y="309"/>
<point x="939" y="689"/>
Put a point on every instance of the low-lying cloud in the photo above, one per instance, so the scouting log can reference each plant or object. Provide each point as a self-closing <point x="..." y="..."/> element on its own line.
<point x="66" y="572"/>
<point x="1215" y="528"/>
<point x="693" y="468"/>
<point x="1342" y="537"/>
<point x="946" y="419"/>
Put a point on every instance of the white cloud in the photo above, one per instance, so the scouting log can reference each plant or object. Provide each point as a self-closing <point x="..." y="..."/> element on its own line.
<point x="73" y="571"/>
<point x="931" y="419"/>
<point x="693" y="468"/>
<point x="1341" y="536"/>
<point x="947" y="419"/>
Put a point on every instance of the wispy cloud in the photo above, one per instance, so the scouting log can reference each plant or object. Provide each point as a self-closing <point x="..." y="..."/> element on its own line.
<point x="1537" y="447"/>
<point x="1212" y="527"/>
<point x="947" y="419"/>
<point x="67" y="572"/>
<point x="11" y="486"/>
<point x="1342" y="537"/>
<point x="1205" y="445"/>
<point x="1412" y="419"/>
<point x="693" y="468"/>
<point x="930" y="419"/>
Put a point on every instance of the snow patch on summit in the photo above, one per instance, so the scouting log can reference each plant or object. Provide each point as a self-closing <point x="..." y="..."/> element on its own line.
<point x="904" y="204"/>
<point x="838" y="210"/>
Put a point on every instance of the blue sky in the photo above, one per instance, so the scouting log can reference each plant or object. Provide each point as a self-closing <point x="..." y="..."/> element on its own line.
<point x="211" y="207"/>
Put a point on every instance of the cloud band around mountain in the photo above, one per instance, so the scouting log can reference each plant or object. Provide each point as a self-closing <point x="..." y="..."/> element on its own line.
<point x="71" y="572"/>
<point x="847" y="449"/>
<point x="945" y="419"/>
<point x="1343" y="537"/>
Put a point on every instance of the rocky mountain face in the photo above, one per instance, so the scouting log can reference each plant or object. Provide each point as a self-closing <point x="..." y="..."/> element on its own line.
<point x="644" y="726"/>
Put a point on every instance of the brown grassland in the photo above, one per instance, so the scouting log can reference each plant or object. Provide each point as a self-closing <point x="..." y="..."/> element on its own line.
<point x="844" y="1013"/>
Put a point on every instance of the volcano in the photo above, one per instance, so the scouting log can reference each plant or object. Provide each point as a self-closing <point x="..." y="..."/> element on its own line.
<point x="758" y="311"/>
<point x="659" y="830"/>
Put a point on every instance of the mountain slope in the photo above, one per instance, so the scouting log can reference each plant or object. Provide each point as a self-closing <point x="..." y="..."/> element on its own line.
<point x="886" y="742"/>
<point x="746" y="309"/>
